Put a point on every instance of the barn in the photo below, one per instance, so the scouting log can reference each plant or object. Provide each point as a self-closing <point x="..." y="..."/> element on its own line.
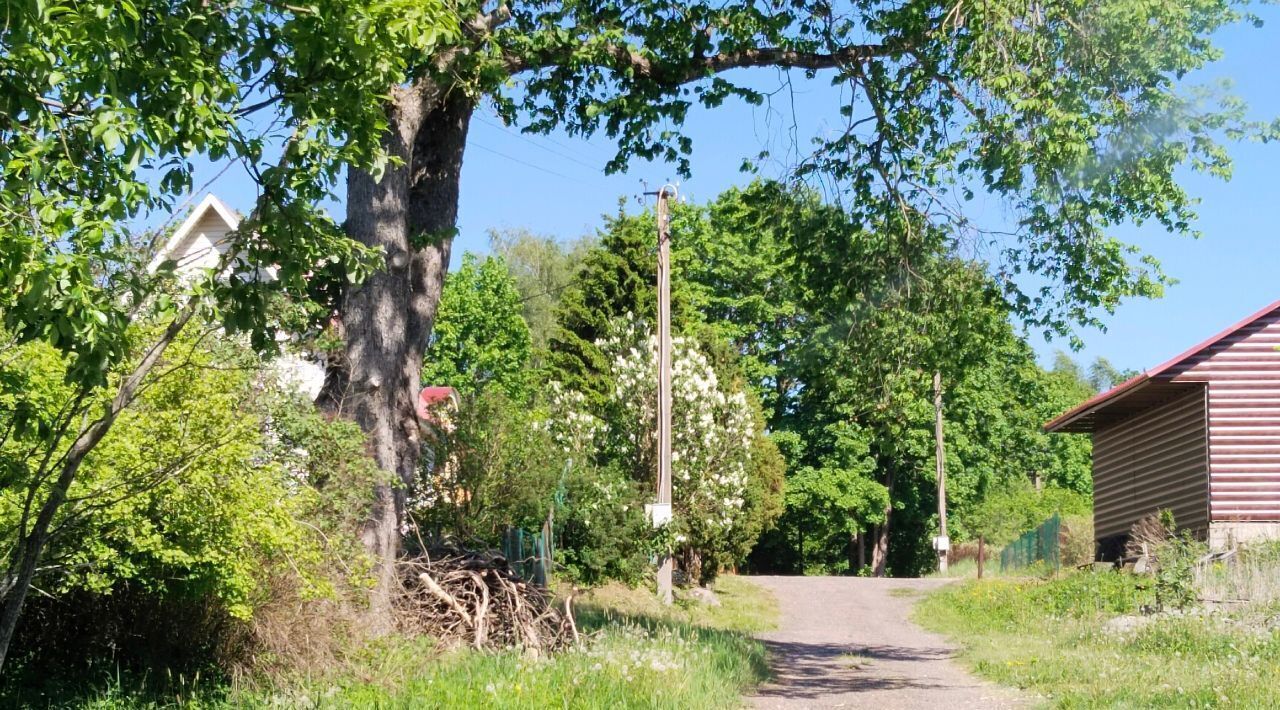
<point x="1199" y="435"/>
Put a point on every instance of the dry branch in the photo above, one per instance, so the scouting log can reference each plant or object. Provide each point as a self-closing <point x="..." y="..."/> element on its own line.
<point x="476" y="598"/>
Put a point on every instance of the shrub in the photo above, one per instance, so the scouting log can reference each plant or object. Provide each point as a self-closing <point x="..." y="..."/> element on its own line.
<point x="213" y="493"/>
<point x="1175" y="585"/>
<point x="1016" y="507"/>
<point x="495" y="464"/>
<point x="1077" y="543"/>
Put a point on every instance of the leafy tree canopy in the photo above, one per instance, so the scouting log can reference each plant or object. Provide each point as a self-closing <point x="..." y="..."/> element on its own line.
<point x="542" y="268"/>
<point x="105" y="105"/>
<point x="1069" y="113"/>
<point x="480" y="339"/>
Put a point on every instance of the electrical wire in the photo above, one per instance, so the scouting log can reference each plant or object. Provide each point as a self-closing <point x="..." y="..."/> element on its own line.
<point x="525" y="162"/>
<point x="535" y="144"/>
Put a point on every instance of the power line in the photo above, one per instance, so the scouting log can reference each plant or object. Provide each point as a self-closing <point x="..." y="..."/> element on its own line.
<point x="569" y="147"/>
<point x="526" y="163"/>
<point x="535" y="144"/>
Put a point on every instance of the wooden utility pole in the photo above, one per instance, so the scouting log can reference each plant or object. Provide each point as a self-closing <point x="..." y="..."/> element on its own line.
<point x="662" y="511"/>
<point x="942" y="544"/>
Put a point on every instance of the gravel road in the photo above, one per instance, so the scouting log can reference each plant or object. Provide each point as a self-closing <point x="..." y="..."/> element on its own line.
<point x="848" y="642"/>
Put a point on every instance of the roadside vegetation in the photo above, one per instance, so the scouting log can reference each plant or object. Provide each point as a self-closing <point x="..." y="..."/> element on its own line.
<point x="180" y="526"/>
<point x="636" y="654"/>
<point x="1114" y="639"/>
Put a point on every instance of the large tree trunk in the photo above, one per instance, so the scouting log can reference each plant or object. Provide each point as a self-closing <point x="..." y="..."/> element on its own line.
<point x="387" y="320"/>
<point x="880" y="549"/>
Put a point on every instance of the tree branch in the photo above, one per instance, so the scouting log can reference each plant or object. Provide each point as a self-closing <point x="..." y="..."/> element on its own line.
<point x="701" y="67"/>
<point x="775" y="57"/>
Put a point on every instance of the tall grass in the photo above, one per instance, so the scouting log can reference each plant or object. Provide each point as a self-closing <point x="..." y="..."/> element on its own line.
<point x="637" y="654"/>
<point x="1078" y="642"/>
<point x="1251" y="575"/>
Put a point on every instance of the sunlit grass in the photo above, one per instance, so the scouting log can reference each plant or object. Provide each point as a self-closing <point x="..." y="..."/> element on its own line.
<point x="636" y="654"/>
<point x="1053" y="637"/>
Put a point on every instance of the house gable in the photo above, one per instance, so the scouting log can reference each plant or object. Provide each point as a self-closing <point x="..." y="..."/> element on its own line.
<point x="201" y="240"/>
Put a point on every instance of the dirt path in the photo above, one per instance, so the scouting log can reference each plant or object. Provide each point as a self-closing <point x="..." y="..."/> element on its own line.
<point x="847" y="642"/>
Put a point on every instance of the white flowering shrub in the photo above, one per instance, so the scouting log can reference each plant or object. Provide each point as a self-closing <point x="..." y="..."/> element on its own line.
<point x="602" y="520"/>
<point x="712" y="432"/>
<point x="574" y="429"/>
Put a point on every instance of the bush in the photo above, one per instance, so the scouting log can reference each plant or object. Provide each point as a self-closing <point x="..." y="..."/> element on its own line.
<point x="1176" y="558"/>
<point x="213" y="493"/>
<point x="1016" y="507"/>
<point x="494" y="464"/>
<point x="1077" y="543"/>
<point x="602" y="531"/>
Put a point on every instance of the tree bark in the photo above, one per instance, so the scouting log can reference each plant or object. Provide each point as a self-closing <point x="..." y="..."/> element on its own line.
<point x="880" y="548"/>
<point x="851" y="553"/>
<point x="386" y="321"/>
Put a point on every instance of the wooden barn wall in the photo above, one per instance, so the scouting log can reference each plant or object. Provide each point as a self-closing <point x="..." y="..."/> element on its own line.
<point x="1152" y="460"/>
<point x="1243" y="376"/>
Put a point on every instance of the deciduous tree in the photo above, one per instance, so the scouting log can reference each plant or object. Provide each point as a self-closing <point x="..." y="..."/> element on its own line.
<point x="103" y="108"/>
<point x="481" y="339"/>
<point x="1067" y="113"/>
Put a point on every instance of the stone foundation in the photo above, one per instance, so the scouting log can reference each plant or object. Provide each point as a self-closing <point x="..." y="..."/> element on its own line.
<point x="1225" y="535"/>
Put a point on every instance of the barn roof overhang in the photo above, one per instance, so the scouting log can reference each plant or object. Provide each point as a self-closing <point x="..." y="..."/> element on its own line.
<point x="1136" y="395"/>
<point x="1144" y="391"/>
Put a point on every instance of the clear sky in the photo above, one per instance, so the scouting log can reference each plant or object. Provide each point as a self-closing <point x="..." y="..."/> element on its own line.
<point x="555" y="185"/>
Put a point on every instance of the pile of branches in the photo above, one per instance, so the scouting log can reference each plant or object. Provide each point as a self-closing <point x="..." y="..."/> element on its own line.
<point x="476" y="598"/>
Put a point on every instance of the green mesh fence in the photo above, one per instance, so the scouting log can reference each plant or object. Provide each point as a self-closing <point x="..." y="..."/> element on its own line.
<point x="529" y="553"/>
<point x="532" y="554"/>
<point x="1039" y="545"/>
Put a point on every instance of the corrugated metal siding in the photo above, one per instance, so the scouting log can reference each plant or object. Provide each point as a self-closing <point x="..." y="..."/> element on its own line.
<point x="1243" y="376"/>
<point x="1152" y="460"/>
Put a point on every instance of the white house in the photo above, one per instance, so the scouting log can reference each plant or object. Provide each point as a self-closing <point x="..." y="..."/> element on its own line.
<point x="200" y="243"/>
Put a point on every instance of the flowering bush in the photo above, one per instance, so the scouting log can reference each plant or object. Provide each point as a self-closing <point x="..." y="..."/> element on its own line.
<point x="602" y="518"/>
<point x="712" y="434"/>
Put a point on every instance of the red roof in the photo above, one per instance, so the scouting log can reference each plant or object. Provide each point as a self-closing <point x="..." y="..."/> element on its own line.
<point x="1141" y="382"/>
<point x="429" y="397"/>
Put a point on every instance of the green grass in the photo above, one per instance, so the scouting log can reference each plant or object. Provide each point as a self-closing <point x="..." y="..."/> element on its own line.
<point x="744" y="606"/>
<point x="637" y="654"/>
<point x="968" y="569"/>
<point x="1052" y="638"/>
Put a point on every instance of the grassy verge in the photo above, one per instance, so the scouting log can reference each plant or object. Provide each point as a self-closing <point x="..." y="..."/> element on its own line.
<point x="1063" y="640"/>
<point x="637" y="655"/>
<point x="744" y="607"/>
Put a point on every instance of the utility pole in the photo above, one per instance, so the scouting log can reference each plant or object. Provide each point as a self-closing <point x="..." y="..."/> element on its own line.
<point x="941" y="543"/>
<point x="661" y="514"/>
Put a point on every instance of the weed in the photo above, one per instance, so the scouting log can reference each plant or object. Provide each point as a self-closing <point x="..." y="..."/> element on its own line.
<point x="1055" y="637"/>
<point x="1175" y="583"/>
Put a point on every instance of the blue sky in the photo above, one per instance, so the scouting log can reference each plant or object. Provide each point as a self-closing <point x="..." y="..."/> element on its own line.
<point x="555" y="185"/>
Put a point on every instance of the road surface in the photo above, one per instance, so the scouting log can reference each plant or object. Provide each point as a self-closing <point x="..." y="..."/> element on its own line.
<point x="847" y="642"/>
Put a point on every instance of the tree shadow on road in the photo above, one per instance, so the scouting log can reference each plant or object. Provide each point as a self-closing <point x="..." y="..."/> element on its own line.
<point x="813" y="670"/>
